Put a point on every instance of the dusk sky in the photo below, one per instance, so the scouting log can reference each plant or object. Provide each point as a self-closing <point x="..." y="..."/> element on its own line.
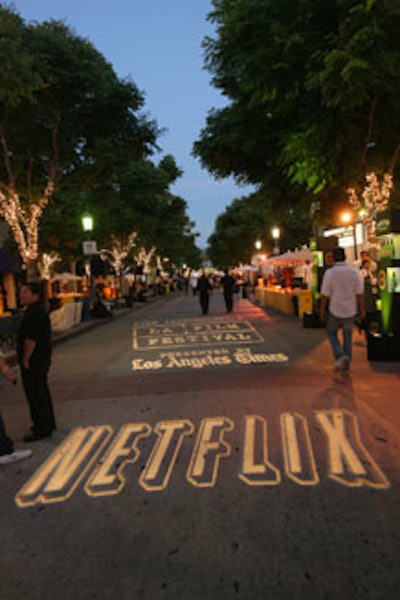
<point x="157" y="43"/>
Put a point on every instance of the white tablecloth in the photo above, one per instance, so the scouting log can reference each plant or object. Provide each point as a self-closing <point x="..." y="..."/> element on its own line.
<point x="66" y="317"/>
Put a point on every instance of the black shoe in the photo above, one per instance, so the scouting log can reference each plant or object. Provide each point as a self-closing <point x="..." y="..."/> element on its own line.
<point x="32" y="436"/>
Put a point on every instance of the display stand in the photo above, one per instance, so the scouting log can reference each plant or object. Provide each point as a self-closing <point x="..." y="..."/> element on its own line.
<point x="385" y="344"/>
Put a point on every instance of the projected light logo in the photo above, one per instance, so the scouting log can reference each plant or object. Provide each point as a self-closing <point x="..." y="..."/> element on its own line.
<point x="197" y="344"/>
<point x="98" y="458"/>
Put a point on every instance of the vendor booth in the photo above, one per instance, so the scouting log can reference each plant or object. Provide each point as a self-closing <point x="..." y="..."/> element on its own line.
<point x="384" y="344"/>
<point x="66" y="300"/>
<point x="67" y="316"/>
<point x="65" y="288"/>
<point x="286" y="282"/>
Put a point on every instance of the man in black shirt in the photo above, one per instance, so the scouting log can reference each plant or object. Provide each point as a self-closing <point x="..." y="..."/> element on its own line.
<point x="228" y="284"/>
<point x="204" y="286"/>
<point x="34" y="357"/>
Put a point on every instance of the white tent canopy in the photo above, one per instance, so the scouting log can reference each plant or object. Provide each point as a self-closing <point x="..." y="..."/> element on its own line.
<point x="244" y="268"/>
<point x="290" y="257"/>
<point x="65" y="277"/>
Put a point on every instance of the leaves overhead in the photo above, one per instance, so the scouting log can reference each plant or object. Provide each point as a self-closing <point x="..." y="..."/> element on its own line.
<point x="312" y="89"/>
<point x="67" y="120"/>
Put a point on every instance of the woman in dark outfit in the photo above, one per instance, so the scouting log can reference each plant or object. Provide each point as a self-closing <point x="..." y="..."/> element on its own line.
<point x="228" y="284"/>
<point x="204" y="286"/>
<point x="34" y="357"/>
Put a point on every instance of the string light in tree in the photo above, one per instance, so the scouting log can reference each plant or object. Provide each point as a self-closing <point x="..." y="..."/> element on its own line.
<point x="117" y="254"/>
<point x="143" y="257"/>
<point x="24" y="220"/>
<point x="374" y="199"/>
<point x="46" y="262"/>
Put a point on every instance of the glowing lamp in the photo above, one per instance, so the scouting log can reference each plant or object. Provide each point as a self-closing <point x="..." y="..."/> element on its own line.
<point x="87" y="223"/>
<point x="276" y="233"/>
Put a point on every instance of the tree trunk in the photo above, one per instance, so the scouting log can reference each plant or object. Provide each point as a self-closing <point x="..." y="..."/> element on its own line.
<point x="32" y="271"/>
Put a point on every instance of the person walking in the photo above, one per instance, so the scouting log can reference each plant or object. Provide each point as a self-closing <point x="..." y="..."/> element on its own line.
<point x="8" y="454"/>
<point x="228" y="284"/>
<point x="34" y="357"/>
<point x="193" y="280"/>
<point x="342" y="301"/>
<point x="204" y="286"/>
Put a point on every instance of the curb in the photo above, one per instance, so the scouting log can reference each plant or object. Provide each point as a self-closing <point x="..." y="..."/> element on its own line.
<point x="83" y="327"/>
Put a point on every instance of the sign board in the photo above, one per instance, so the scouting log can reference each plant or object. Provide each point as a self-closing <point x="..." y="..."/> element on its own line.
<point x="388" y="222"/>
<point x="89" y="247"/>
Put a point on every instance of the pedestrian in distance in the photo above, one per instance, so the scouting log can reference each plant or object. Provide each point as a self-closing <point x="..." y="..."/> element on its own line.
<point x="204" y="287"/>
<point x="34" y="357"/>
<point x="228" y="283"/>
<point x="8" y="454"/>
<point x="342" y="302"/>
<point x="193" y="280"/>
<point x="369" y="297"/>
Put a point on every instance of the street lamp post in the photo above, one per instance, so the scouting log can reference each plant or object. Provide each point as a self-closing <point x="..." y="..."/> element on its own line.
<point x="348" y="219"/>
<point x="89" y="249"/>
<point x="276" y="234"/>
<point x="256" y="260"/>
<point x="87" y="223"/>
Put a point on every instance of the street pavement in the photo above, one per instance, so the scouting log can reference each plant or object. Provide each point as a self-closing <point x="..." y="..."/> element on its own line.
<point x="214" y="456"/>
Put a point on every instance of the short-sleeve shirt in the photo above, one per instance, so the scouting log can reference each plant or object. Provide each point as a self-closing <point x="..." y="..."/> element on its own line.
<point x="341" y="284"/>
<point x="35" y="325"/>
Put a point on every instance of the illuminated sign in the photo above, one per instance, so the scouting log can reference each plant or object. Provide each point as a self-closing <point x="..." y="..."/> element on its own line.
<point x="89" y="247"/>
<point x="97" y="458"/>
<point x="173" y="334"/>
<point x="198" y="359"/>
<point x="197" y="344"/>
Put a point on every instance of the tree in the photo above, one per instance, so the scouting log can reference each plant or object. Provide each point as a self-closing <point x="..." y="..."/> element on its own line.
<point x="65" y="120"/>
<point x="142" y="202"/>
<point x="135" y="200"/>
<point x="313" y="90"/>
<point x="236" y="230"/>
<point x="249" y="219"/>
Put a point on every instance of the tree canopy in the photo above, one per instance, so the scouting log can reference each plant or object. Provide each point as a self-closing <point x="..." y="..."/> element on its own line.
<point x="313" y="93"/>
<point x="71" y="118"/>
<point x="252" y="218"/>
<point x="73" y="136"/>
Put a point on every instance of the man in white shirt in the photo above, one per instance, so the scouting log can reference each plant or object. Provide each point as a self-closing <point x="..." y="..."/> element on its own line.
<point x="342" y="289"/>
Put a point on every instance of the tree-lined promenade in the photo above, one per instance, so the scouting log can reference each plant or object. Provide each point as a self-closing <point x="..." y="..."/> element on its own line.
<point x="311" y="120"/>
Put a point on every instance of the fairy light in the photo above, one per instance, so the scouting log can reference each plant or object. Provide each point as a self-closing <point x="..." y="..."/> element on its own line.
<point x="46" y="262"/>
<point x="374" y="199"/>
<point x="24" y="221"/>
<point x="143" y="257"/>
<point x="117" y="254"/>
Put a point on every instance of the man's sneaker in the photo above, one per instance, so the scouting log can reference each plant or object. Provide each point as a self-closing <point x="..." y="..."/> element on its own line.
<point x="7" y="459"/>
<point x="345" y="364"/>
<point x="339" y="363"/>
